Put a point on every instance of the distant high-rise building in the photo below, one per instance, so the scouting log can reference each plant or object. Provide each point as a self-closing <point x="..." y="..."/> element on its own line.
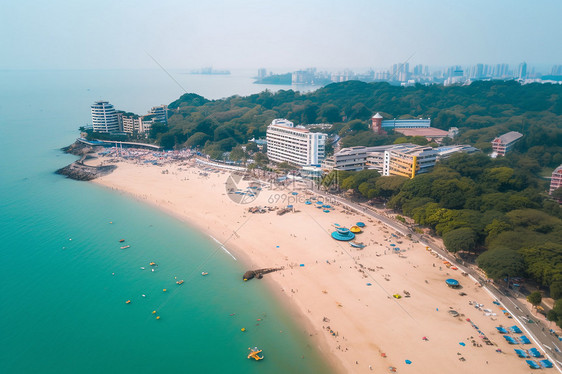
<point x="522" y="70"/>
<point x="262" y="73"/>
<point x="104" y="117"/>
<point x="556" y="70"/>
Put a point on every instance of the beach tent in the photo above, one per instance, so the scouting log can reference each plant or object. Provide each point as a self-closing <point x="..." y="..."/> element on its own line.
<point x="521" y="353"/>
<point x="532" y="364"/>
<point x="524" y="339"/>
<point x="501" y="330"/>
<point x="546" y="363"/>
<point x="452" y="282"/>
<point x="535" y="352"/>
<point x="515" y="329"/>
<point x="509" y="339"/>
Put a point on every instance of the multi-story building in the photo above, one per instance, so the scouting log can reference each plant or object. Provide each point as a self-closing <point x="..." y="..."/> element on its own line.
<point x="352" y="159"/>
<point x="159" y="114"/>
<point x="406" y="123"/>
<point x="556" y="180"/>
<point x="504" y="143"/>
<point x="130" y="123"/>
<point x="295" y="145"/>
<point x="408" y="160"/>
<point x="104" y="117"/>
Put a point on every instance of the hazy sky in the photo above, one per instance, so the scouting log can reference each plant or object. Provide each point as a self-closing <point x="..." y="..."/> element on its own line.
<point x="279" y="34"/>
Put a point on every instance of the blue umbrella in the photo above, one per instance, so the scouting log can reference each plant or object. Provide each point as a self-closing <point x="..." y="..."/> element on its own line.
<point x="408" y="362"/>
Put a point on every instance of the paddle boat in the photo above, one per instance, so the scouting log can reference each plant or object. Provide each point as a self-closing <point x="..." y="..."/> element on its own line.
<point x="254" y="353"/>
<point x="357" y="245"/>
<point x="128" y="302"/>
<point x="152" y="264"/>
<point x="121" y="240"/>
<point x="180" y="282"/>
<point x="204" y="273"/>
<point x="125" y="246"/>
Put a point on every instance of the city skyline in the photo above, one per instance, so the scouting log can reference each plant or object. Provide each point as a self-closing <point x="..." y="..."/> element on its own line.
<point x="291" y="35"/>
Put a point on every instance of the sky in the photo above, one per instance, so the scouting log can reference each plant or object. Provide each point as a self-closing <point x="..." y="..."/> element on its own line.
<point x="281" y="34"/>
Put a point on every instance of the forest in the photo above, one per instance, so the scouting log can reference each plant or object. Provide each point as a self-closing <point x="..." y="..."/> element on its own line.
<point x="482" y="111"/>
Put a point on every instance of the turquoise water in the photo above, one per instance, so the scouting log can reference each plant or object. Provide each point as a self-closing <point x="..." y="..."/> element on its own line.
<point x="64" y="279"/>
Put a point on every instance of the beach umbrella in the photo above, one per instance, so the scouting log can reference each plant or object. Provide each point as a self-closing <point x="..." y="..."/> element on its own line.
<point x="461" y="343"/>
<point x="294" y="193"/>
<point x="408" y="362"/>
<point x="360" y="224"/>
<point x="319" y="203"/>
<point x="289" y="206"/>
<point x="308" y="202"/>
<point x="393" y="245"/>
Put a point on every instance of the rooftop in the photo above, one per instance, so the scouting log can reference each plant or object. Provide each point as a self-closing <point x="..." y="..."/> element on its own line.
<point x="509" y="137"/>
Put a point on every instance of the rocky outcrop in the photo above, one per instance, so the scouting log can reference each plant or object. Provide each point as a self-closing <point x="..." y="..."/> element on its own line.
<point x="259" y="273"/>
<point x="80" y="172"/>
<point x="80" y="149"/>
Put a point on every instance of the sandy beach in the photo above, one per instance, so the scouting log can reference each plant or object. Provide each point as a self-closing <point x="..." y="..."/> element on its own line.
<point x="343" y="296"/>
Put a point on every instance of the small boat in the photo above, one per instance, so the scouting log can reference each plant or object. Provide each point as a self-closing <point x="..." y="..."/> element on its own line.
<point x="204" y="273"/>
<point x="121" y="240"/>
<point x="128" y="302"/>
<point x="180" y="282"/>
<point x="142" y="267"/>
<point x="125" y="246"/>
<point x="254" y="353"/>
<point x="152" y="264"/>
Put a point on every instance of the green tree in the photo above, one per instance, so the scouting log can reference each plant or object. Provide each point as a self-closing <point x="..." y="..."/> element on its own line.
<point x="463" y="239"/>
<point x="501" y="263"/>
<point x="535" y="298"/>
<point x="197" y="140"/>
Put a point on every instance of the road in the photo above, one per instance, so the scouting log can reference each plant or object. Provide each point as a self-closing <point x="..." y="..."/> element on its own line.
<point x="536" y="330"/>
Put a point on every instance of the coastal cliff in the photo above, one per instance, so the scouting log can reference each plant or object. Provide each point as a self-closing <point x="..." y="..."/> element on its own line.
<point x="78" y="170"/>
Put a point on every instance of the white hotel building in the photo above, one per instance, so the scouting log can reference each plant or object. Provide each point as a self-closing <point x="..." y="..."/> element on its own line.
<point x="295" y="145"/>
<point x="104" y="117"/>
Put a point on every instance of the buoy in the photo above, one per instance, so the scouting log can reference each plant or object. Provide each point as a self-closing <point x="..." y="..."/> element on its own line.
<point x="153" y="312"/>
<point x="243" y="329"/>
<point x="245" y="279"/>
<point x="143" y="295"/>
<point x="164" y="290"/>
<point x="157" y="317"/>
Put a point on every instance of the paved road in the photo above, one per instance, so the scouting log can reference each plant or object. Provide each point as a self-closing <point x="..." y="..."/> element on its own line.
<point x="536" y="331"/>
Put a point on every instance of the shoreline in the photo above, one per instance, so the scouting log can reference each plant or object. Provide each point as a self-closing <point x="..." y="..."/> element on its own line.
<point x="356" y="328"/>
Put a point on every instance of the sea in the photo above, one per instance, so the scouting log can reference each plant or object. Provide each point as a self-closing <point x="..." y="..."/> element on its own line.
<point x="64" y="279"/>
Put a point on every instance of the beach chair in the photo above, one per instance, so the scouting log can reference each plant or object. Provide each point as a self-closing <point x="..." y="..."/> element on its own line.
<point x="521" y="353"/>
<point x="515" y="329"/>
<point x="535" y="352"/>
<point x="524" y="339"/>
<point x="501" y="330"/>
<point x="532" y="364"/>
<point x="546" y="364"/>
